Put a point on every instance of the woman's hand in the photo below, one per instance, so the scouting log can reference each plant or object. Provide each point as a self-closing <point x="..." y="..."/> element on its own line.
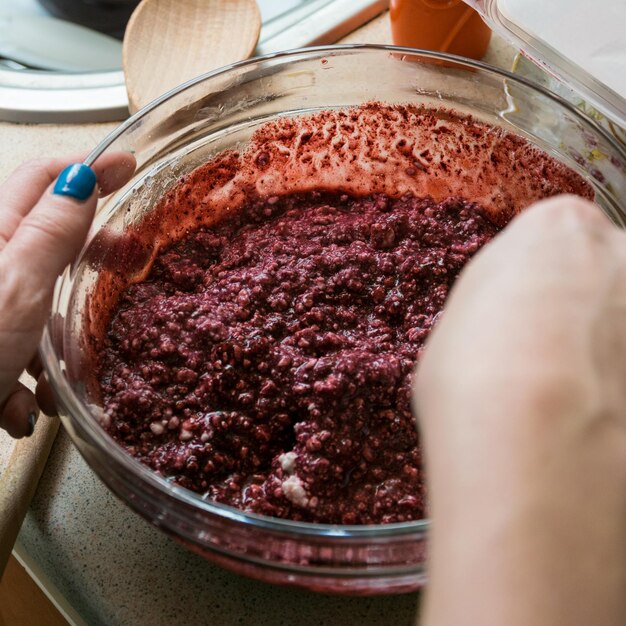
<point x="521" y="398"/>
<point x="42" y="228"/>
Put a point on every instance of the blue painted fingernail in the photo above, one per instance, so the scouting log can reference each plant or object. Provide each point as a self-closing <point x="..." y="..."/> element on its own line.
<point x="32" y="420"/>
<point x="77" y="180"/>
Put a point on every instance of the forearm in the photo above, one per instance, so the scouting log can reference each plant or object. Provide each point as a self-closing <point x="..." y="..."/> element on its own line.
<point x="521" y="399"/>
<point x="540" y="539"/>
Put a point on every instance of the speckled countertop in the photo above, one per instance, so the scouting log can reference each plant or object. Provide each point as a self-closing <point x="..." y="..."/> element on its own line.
<point x="110" y="565"/>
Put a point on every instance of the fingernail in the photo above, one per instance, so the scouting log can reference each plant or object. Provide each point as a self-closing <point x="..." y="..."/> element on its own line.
<point x="77" y="180"/>
<point x="32" y="420"/>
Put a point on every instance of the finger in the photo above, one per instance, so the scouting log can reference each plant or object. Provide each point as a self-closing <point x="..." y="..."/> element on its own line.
<point x="34" y="368"/>
<point x="49" y="237"/>
<point x="45" y="396"/>
<point x="19" y="414"/>
<point x="562" y="214"/>
<point x="29" y="181"/>
<point x="533" y="260"/>
<point x="46" y="240"/>
<point x="113" y="170"/>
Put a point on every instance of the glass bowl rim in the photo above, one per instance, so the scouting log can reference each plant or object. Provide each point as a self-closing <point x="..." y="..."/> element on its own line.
<point x="80" y="413"/>
<point x="313" y="51"/>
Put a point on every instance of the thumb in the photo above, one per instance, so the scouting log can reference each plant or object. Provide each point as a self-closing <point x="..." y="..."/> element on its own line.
<point x="52" y="233"/>
<point x="46" y="240"/>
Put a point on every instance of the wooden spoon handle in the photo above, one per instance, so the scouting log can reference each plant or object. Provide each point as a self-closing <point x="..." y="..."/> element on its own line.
<point x="19" y="480"/>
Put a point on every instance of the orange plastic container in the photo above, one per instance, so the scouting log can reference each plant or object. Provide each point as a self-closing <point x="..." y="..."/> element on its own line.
<point x="442" y="25"/>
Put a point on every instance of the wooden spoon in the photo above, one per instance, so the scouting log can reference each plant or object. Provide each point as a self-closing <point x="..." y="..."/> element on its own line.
<point x="170" y="41"/>
<point x="19" y="480"/>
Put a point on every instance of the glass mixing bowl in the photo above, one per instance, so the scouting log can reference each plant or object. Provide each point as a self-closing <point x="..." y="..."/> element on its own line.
<point x="221" y="110"/>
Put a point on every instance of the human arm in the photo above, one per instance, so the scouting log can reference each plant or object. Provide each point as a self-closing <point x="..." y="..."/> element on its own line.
<point x="521" y="398"/>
